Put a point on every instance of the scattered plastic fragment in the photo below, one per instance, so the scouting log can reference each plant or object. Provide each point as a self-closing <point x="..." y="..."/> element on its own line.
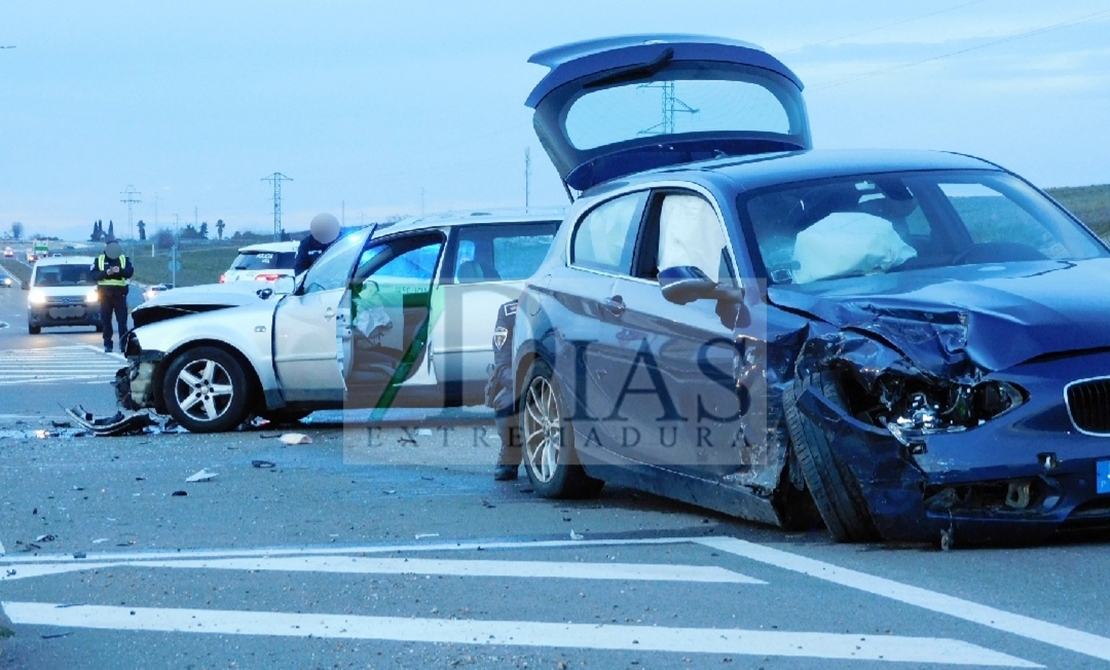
<point x="421" y="536"/>
<point x="100" y="540"/>
<point x="296" y="438"/>
<point x="179" y="494"/>
<point x="263" y="464"/>
<point x="46" y="538"/>
<point x="79" y="554"/>
<point x="576" y="536"/>
<point x="201" y="476"/>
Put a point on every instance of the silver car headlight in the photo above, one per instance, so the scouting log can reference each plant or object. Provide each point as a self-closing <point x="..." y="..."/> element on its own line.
<point x="92" y="296"/>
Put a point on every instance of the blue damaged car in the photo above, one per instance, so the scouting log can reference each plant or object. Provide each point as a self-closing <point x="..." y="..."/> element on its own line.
<point x="912" y="345"/>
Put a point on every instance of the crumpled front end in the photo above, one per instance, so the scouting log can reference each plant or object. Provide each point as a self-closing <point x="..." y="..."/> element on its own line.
<point x="945" y="449"/>
<point x="136" y="384"/>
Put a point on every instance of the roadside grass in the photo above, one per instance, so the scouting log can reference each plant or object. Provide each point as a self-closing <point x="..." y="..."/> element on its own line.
<point x="199" y="265"/>
<point x="1091" y="204"/>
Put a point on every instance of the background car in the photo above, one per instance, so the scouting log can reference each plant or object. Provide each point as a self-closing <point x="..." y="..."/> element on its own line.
<point x="8" y="252"/>
<point x="911" y="344"/>
<point x="6" y="280"/>
<point x="391" y="315"/>
<point x="154" y="289"/>
<point x="262" y="262"/>
<point x="62" y="293"/>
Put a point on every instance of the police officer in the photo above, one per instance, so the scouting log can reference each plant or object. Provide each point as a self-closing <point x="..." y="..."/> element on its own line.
<point x="499" y="394"/>
<point x="111" y="271"/>
<point x="323" y="231"/>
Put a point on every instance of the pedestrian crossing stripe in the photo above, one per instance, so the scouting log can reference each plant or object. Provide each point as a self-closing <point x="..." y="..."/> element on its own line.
<point x="71" y="363"/>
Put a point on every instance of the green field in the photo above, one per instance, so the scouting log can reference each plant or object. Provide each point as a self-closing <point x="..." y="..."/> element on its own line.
<point x="1090" y="203"/>
<point x="202" y="262"/>
<point x="199" y="264"/>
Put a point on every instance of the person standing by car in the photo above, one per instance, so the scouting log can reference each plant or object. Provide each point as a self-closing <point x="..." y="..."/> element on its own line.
<point x="323" y="231"/>
<point x="499" y="394"/>
<point x="112" y="271"/>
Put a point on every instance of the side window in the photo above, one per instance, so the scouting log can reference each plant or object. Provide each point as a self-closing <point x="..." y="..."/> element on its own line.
<point x="501" y="252"/>
<point x="691" y="235"/>
<point x="606" y="236"/>
<point x="405" y="265"/>
<point x="332" y="270"/>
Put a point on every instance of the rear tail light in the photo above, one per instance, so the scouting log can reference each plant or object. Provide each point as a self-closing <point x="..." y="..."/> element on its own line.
<point x="267" y="277"/>
<point x="223" y="278"/>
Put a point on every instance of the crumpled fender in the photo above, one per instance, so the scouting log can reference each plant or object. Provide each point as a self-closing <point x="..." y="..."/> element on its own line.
<point x="892" y="485"/>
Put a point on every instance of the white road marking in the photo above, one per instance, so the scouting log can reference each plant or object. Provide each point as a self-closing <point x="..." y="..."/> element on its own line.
<point x="1017" y="624"/>
<point x="1" y="548"/>
<point x="115" y="557"/>
<point x="888" y="648"/>
<point x="402" y="566"/>
<point x="70" y="363"/>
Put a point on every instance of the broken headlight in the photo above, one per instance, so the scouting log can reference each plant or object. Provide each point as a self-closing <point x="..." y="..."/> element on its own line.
<point x="912" y="409"/>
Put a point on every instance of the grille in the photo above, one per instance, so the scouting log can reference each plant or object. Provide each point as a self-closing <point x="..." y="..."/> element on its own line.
<point x="1089" y="405"/>
<point x="65" y="300"/>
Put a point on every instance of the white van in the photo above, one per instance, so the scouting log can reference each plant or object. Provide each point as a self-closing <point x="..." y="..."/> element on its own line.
<point x="62" y="293"/>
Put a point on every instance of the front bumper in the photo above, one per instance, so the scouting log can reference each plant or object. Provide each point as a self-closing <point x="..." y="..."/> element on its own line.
<point x="64" y="314"/>
<point x="1017" y="479"/>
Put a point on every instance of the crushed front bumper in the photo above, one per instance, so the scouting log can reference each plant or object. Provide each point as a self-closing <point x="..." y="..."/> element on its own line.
<point x="999" y="483"/>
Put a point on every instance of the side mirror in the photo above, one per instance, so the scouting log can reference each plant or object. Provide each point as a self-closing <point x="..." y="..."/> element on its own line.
<point x="284" y="285"/>
<point x="685" y="284"/>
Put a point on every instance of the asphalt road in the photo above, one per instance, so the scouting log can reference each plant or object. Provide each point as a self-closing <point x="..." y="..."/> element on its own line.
<point x="390" y="546"/>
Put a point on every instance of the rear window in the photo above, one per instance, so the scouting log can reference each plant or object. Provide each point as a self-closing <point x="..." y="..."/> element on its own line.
<point x="684" y="100"/>
<point x="264" y="260"/>
<point x="63" y="275"/>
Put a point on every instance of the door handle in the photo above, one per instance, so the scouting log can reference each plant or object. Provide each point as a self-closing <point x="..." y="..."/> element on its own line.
<point x="614" y="305"/>
<point x="329" y="314"/>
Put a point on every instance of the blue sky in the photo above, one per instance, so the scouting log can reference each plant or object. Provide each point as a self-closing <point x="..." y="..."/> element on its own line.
<point x="378" y="109"/>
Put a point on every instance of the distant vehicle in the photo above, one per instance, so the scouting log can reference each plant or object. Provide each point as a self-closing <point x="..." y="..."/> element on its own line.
<point x="8" y="253"/>
<point x="262" y="262"/>
<point x="154" y="290"/>
<point x="41" y="249"/>
<point x="31" y="256"/>
<point x="5" y="279"/>
<point x="62" y="293"/>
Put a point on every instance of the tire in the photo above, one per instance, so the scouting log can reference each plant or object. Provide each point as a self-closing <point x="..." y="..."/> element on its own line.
<point x="835" y="490"/>
<point x="547" y="440"/>
<point x="33" y="330"/>
<point x="283" y="415"/>
<point x="206" y="390"/>
<point x="99" y="328"/>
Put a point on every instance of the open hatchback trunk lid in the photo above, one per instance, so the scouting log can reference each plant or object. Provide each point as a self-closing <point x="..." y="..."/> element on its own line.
<point x="615" y="106"/>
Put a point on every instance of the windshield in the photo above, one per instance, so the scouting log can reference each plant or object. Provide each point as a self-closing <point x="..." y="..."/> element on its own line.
<point x="873" y="224"/>
<point x="63" y="275"/>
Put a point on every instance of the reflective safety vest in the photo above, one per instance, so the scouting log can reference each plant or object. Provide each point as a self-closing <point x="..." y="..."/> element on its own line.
<point x="107" y="281"/>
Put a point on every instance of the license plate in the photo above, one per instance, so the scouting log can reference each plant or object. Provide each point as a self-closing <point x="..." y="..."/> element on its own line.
<point x="1102" y="477"/>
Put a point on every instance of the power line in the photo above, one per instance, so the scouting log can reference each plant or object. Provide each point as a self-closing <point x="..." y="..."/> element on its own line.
<point x="882" y="27"/>
<point x="129" y="197"/>
<point x="277" y="178"/>
<point x="1056" y="26"/>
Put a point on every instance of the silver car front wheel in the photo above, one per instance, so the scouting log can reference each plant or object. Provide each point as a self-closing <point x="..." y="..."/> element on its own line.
<point x="206" y="390"/>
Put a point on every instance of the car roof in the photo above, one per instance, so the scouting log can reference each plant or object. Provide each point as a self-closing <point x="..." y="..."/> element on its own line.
<point x="453" y="219"/>
<point x="269" y="247"/>
<point x="757" y="171"/>
<point x="65" y="260"/>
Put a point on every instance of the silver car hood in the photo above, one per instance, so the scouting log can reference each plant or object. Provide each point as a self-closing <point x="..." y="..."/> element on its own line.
<point x="189" y="300"/>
